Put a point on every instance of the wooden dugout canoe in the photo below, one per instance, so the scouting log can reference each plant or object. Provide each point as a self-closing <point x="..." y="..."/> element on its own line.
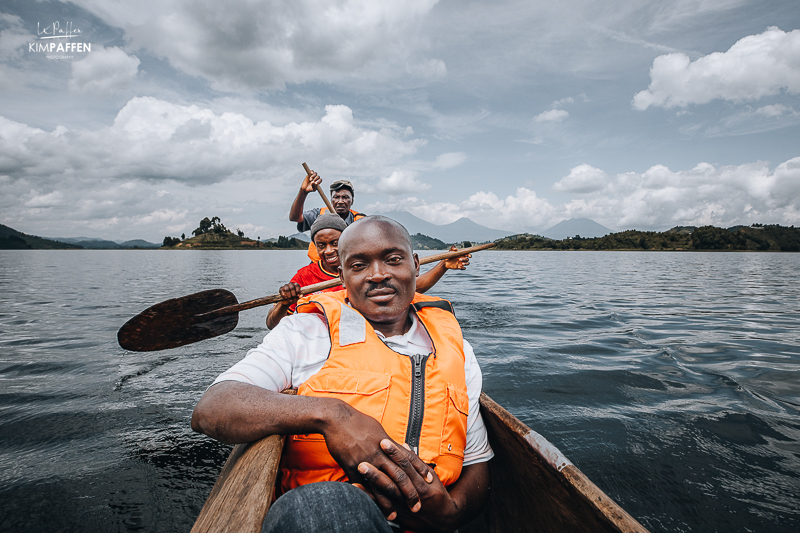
<point x="534" y="487"/>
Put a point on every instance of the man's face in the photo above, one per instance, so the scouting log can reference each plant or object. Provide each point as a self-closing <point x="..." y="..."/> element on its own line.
<point x="341" y="201"/>
<point x="379" y="271"/>
<point x="327" y="242"/>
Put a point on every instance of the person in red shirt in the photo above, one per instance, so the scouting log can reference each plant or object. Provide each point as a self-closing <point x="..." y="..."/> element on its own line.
<point x="325" y="234"/>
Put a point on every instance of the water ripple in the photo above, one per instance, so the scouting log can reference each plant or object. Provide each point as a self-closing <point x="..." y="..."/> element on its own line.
<point x="670" y="379"/>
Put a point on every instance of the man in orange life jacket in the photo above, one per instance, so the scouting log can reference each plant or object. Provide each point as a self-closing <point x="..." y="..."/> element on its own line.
<point x="387" y="400"/>
<point x="325" y="232"/>
<point x="342" y="194"/>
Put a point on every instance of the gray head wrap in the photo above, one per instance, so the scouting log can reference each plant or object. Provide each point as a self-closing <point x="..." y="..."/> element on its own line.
<point x="327" y="221"/>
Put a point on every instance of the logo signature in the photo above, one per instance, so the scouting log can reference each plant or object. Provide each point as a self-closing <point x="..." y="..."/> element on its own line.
<point x="56" y="31"/>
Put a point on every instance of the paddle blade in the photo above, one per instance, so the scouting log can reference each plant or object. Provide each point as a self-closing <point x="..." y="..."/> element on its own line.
<point x="175" y="323"/>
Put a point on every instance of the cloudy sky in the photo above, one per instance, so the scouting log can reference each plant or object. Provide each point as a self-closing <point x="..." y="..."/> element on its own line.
<point x="517" y="114"/>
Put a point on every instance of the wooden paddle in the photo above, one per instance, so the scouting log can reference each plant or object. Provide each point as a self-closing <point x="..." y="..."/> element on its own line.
<point x="209" y="314"/>
<point x="321" y="193"/>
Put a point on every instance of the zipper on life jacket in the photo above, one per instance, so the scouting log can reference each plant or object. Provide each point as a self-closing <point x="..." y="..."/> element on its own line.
<point x="416" y="410"/>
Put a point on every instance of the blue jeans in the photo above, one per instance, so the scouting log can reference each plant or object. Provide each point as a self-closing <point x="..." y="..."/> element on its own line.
<point x="328" y="506"/>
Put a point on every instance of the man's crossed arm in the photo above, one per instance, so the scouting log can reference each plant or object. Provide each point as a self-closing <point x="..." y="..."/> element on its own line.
<point x="406" y="489"/>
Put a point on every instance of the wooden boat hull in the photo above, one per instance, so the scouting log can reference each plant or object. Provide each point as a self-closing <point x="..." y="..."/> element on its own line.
<point x="534" y="487"/>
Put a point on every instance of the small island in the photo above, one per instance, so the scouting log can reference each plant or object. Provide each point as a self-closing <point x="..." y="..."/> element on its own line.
<point x="211" y="234"/>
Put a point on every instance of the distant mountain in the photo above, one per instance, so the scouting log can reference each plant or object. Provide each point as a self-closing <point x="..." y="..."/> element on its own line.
<point x="139" y="243"/>
<point x="11" y="239"/>
<point x="462" y="229"/>
<point x="687" y="230"/>
<point x="585" y="227"/>
<point x="300" y="237"/>
<point x="93" y="243"/>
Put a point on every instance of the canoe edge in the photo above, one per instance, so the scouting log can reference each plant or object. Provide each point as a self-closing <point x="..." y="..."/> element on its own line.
<point x="603" y="505"/>
<point x="547" y="450"/>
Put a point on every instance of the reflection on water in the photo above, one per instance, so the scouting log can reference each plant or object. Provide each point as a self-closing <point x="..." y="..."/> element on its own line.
<point x="670" y="379"/>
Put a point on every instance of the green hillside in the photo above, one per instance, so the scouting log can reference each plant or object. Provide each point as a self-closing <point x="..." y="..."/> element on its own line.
<point x="758" y="237"/>
<point x="230" y="241"/>
<point x="423" y="242"/>
<point x="11" y="239"/>
<point x="220" y="241"/>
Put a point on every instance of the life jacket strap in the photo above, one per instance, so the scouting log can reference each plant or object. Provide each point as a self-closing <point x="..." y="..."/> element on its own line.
<point x="439" y="304"/>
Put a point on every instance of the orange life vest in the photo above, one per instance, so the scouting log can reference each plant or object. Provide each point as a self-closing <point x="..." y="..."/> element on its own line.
<point x="422" y="401"/>
<point x="313" y="254"/>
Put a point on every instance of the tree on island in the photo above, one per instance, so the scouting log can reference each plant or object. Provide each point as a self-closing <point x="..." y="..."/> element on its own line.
<point x="212" y="225"/>
<point x="713" y="238"/>
<point x="283" y="242"/>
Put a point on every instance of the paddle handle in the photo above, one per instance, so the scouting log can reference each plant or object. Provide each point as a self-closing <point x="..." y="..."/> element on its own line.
<point x="457" y="253"/>
<point x="275" y="298"/>
<point x="308" y="289"/>
<point x="321" y="193"/>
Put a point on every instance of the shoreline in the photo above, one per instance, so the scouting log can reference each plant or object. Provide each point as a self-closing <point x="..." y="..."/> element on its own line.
<point x="249" y="249"/>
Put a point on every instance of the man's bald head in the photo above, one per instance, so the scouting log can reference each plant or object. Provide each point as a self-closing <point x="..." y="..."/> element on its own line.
<point x="376" y="226"/>
<point x="379" y="269"/>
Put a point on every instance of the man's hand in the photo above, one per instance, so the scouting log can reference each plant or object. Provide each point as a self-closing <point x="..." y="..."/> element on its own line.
<point x="353" y="438"/>
<point x="290" y="294"/>
<point x="409" y="492"/>
<point x="457" y="263"/>
<point x="311" y="182"/>
<point x="429" y="278"/>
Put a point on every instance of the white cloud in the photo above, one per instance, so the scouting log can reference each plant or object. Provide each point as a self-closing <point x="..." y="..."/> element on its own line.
<point x="775" y="110"/>
<point x="13" y="42"/>
<point x="401" y="182"/>
<point x="722" y="196"/>
<point x="582" y="179"/>
<point x="656" y="199"/>
<point x="522" y="210"/>
<point x="104" y="71"/>
<point x="162" y="165"/>
<point x="554" y="115"/>
<point x="44" y="200"/>
<point x="449" y="160"/>
<point x="13" y="39"/>
<point x="156" y="140"/>
<point x="754" y="67"/>
<point x="264" y="45"/>
<point x="245" y="146"/>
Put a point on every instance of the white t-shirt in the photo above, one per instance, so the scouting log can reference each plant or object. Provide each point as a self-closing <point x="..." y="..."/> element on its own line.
<point x="299" y="346"/>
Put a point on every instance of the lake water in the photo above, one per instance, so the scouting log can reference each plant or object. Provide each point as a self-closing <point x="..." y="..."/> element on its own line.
<point x="670" y="379"/>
